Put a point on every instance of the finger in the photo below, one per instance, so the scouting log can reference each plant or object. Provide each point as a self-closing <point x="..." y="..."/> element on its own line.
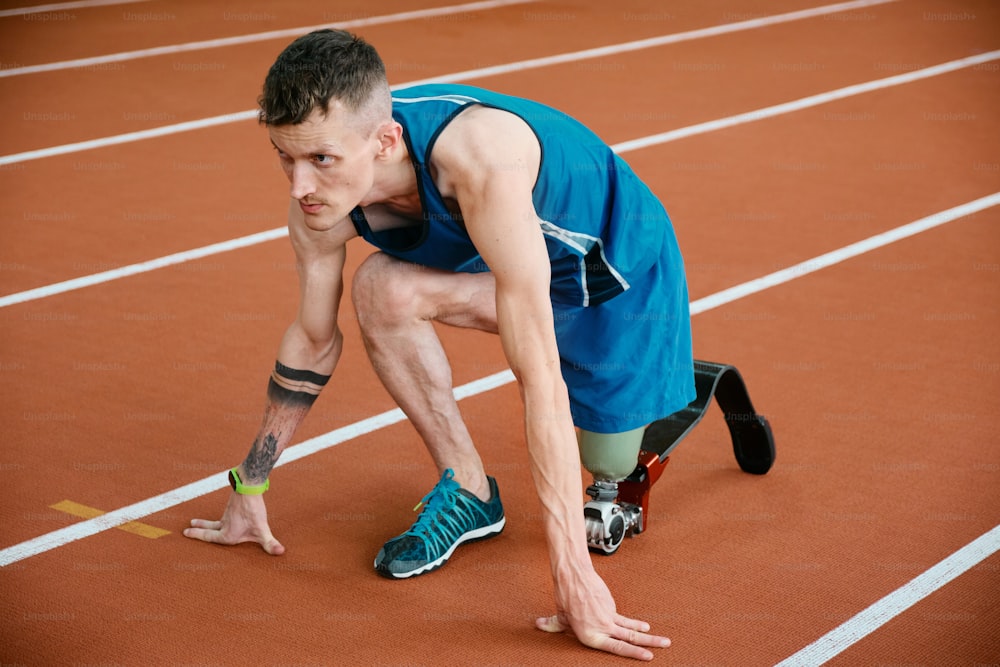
<point x="202" y="523"/>
<point x="272" y="546"/>
<point x="550" y="624"/>
<point x="637" y="638"/>
<point x="624" y="649"/>
<point x="639" y="630"/>
<point x="265" y="538"/>
<point x="631" y="623"/>
<point x="205" y="535"/>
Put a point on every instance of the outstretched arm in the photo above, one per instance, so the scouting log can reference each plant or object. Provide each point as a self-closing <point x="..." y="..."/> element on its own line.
<point x="488" y="162"/>
<point x="307" y="356"/>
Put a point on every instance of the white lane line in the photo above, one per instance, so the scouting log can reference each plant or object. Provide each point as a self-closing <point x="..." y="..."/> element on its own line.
<point x="652" y="42"/>
<point x="285" y="33"/>
<point x="143" y="267"/>
<point x="218" y="481"/>
<point x="811" y="101"/>
<point x="63" y="6"/>
<point x="881" y="612"/>
<point x="845" y="253"/>
<point x="128" y="137"/>
<point x="77" y="531"/>
<point x="466" y="75"/>
<point x="701" y="128"/>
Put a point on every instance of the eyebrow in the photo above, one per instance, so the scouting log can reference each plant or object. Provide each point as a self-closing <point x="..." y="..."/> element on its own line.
<point x="322" y="149"/>
<point x="325" y="149"/>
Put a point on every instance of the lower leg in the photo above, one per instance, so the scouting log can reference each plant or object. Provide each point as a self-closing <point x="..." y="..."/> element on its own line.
<point x="396" y="305"/>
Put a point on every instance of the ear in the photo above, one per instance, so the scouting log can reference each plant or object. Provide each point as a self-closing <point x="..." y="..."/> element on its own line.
<point x="389" y="135"/>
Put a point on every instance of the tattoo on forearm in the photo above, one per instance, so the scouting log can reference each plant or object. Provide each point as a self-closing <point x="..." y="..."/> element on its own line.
<point x="290" y="394"/>
<point x="262" y="457"/>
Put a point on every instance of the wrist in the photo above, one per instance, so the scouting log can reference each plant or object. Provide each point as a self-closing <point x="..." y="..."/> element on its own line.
<point x="568" y="552"/>
<point x="246" y="490"/>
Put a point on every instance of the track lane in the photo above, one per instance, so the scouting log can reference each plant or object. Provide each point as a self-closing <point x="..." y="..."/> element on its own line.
<point x="58" y="34"/>
<point x="944" y="118"/>
<point x="139" y="96"/>
<point x="126" y="170"/>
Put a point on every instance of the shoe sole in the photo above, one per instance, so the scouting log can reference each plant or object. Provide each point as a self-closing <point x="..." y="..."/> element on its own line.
<point x="483" y="533"/>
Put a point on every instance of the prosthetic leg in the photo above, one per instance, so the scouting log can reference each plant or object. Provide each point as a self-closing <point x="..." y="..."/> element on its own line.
<point x="620" y="508"/>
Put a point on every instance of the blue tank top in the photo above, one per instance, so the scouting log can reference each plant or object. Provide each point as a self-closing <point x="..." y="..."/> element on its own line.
<point x="603" y="227"/>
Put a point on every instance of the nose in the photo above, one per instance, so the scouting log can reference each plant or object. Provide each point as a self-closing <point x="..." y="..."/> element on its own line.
<point x="302" y="181"/>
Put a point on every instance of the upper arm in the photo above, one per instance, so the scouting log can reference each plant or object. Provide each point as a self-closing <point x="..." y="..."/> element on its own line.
<point x="489" y="165"/>
<point x="488" y="161"/>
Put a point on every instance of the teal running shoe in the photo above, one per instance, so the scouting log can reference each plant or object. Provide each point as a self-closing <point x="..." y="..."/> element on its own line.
<point x="450" y="516"/>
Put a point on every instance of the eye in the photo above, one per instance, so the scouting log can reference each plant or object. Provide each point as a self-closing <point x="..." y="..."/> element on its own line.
<point x="323" y="159"/>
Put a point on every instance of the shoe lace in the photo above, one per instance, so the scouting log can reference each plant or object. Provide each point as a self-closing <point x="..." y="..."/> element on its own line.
<point x="437" y="506"/>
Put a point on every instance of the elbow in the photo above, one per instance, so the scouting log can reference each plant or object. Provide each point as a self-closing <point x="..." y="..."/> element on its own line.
<point x="318" y="349"/>
<point x="327" y="349"/>
<point x="331" y="347"/>
<point x="541" y="383"/>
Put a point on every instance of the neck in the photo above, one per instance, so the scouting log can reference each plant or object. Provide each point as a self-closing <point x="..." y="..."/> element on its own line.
<point x="395" y="181"/>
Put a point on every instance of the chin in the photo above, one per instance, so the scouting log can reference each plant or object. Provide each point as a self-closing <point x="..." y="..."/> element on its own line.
<point x="320" y="223"/>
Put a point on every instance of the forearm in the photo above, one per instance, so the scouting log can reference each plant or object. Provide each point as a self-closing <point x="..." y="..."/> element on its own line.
<point x="291" y="392"/>
<point x="555" y="464"/>
<point x="527" y="336"/>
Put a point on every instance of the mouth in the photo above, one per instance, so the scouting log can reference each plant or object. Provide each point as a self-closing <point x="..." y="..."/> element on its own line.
<point x="310" y="208"/>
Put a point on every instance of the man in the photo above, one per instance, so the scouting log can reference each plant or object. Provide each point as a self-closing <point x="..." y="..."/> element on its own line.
<point x="493" y="213"/>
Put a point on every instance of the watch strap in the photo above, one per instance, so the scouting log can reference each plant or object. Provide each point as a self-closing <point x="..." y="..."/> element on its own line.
<point x="243" y="490"/>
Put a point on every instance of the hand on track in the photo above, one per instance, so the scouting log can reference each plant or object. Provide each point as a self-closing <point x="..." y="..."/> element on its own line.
<point x="244" y="520"/>
<point x="588" y="611"/>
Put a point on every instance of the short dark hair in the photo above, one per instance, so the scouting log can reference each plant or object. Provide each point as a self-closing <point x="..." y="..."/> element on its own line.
<point x="316" y="68"/>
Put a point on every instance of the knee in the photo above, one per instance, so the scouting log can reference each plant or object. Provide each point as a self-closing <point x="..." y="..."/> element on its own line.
<point x="382" y="291"/>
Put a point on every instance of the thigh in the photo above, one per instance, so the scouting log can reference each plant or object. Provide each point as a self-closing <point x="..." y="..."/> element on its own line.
<point x="404" y="289"/>
<point x="628" y="361"/>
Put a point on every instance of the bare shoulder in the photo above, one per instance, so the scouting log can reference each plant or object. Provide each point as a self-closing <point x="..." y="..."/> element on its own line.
<point x="484" y="142"/>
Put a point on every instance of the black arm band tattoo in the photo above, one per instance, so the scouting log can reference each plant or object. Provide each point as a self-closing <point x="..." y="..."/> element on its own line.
<point x="290" y="385"/>
<point x="293" y="375"/>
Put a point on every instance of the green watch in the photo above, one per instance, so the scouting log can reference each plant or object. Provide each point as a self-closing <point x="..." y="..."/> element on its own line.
<point x="238" y="487"/>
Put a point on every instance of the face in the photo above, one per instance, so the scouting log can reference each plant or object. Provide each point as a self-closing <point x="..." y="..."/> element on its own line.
<point x="328" y="162"/>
